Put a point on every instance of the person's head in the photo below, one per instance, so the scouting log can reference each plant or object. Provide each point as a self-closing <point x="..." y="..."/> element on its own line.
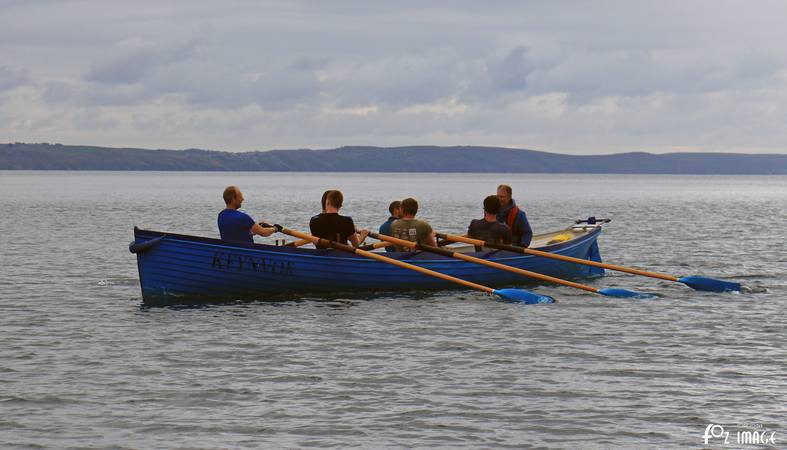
<point x="334" y="199"/>
<point x="324" y="196"/>
<point x="395" y="208"/>
<point x="492" y="205"/>
<point x="233" y="197"/>
<point x="409" y="207"/>
<point x="504" y="194"/>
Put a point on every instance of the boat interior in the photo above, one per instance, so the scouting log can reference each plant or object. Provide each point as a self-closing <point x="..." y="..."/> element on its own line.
<point x="539" y="240"/>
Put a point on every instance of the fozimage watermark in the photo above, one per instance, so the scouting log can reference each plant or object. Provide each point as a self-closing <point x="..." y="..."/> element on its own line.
<point x="740" y="434"/>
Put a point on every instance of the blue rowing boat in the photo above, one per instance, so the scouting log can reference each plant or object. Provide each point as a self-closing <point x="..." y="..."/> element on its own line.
<point x="177" y="268"/>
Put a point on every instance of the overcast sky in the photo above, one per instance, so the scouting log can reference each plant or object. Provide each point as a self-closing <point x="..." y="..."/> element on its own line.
<point x="570" y="77"/>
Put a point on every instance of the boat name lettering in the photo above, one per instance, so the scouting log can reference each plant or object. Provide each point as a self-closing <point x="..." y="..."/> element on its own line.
<point x="229" y="262"/>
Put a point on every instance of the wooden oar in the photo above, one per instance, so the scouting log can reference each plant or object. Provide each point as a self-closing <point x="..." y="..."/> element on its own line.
<point x="516" y="295"/>
<point x="297" y="243"/>
<point x="695" y="282"/>
<point x="610" y="292"/>
<point x="376" y="245"/>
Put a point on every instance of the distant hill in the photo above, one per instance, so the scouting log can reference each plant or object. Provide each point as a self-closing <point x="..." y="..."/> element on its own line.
<point x="19" y="156"/>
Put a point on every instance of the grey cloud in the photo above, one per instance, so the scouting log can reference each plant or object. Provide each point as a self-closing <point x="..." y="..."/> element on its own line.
<point x="309" y="64"/>
<point x="586" y="75"/>
<point x="198" y="83"/>
<point x="204" y="84"/>
<point x="512" y="72"/>
<point x="285" y="89"/>
<point x="133" y="59"/>
<point x="399" y="81"/>
<point x="59" y="91"/>
<point x="757" y="66"/>
<point x="93" y="94"/>
<point x="13" y="77"/>
<point x="93" y="120"/>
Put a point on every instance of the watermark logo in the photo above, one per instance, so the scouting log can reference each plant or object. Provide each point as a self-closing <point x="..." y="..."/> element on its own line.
<point x="742" y="434"/>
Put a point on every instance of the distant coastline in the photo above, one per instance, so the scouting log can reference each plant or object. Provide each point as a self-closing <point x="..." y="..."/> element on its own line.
<point x="460" y="159"/>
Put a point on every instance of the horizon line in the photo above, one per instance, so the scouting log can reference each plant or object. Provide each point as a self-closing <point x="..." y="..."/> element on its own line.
<point x="459" y="146"/>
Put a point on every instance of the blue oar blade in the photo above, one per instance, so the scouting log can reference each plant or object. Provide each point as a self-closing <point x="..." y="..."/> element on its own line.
<point x="623" y="293"/>
<point x="523" y="296"/>
<point x="710" y="284"/>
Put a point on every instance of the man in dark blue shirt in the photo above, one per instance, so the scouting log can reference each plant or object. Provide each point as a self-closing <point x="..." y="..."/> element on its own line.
<point x="395" y="208"/>
<point x="235" y="225"/>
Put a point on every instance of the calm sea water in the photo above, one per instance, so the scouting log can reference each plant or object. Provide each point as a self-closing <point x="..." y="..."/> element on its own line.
<point x="84" y="364"/>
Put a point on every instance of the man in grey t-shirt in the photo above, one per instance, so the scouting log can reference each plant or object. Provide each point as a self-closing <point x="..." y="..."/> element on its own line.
<point x="411" y="229"/>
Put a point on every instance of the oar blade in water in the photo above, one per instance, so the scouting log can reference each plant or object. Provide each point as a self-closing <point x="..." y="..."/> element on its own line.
<point x="523" y="296"/>
<point x="710" y="284"/>
<point x="623" y="293"/>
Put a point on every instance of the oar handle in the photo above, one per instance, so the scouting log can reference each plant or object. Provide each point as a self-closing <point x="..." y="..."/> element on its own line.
<point x="376" y="245"/>
<point x="410" y="244"/>
<point x="484" y="262"/>
<point x="297" y="243"/>
<point x="530" y="251"/>
<point x="378" y="257"/>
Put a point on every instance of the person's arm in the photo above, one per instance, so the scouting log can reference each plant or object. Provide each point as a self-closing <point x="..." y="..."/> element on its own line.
<point x="262" y="231"/>
<point x="527" y="236"/>
<point x="430" y="240"/>
<point x="472" y="235"/>
<point x="355" y="237"/>
<point x="507" y="235"/>
<point x="358" y="237"/>
<point x="430" y="235"/>
<point x="385" y="228"/>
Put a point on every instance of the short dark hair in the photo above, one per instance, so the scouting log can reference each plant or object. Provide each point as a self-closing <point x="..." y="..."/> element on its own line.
<point x="506" y="188"/>
<point x="394" y="204"/>
<point x="335" y="198"/>
<point x="324" y="196"/>
<point x="229" y="194"/>
<point x="492" y="204"/>
<point x="409" y="206"/>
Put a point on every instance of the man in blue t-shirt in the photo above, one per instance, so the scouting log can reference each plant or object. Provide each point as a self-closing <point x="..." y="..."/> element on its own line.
<point x="395" y="208"/>
<point x="235" y="225"/>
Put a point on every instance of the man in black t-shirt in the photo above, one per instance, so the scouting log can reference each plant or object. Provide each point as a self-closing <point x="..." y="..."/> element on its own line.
<point x="489" y="229"/>
<point x="330" y="225"/>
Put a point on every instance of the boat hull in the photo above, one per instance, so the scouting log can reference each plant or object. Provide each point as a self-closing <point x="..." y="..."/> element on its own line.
<point x="176" y="268"/>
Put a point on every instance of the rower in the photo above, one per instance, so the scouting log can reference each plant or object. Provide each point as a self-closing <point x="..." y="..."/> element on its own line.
<point x="334" y="227"/>
<point x="489" y="229"/>
<point x="235" y="225"/>
<point x="395" y="208"/>
<point x="411" y="229"/>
